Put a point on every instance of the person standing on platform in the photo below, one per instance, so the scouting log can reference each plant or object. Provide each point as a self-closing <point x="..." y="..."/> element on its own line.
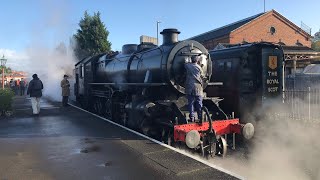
<point x="17" y="82"/>
<point x="65" y="85"/>
<point x="35" y="90"/>
<point x="12" y="85"/>
<point x="22" y="87"/>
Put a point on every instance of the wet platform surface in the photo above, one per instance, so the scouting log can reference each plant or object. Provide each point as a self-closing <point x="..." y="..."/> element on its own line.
<point x="66" y="143"/>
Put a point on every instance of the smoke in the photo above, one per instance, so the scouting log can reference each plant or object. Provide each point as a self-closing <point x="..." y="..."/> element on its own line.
<point x="50" y="65"/>
<point x="284" y="147"/>
<point x="48" y="56"/>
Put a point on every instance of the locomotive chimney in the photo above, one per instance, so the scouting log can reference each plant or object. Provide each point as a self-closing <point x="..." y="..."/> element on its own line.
<point x="170" y="36"/>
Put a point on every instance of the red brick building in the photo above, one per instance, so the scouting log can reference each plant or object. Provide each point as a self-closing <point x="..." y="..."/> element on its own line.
<point x="14" y="75"/>
<point x="269" y="27"/>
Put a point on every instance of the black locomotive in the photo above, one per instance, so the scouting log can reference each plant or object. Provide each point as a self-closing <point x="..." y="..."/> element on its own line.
<point x="252" y="77"/>
<point x="143" y="88"/>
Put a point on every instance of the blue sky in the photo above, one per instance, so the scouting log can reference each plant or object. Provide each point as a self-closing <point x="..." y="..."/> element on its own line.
<point x="33" y="23"/>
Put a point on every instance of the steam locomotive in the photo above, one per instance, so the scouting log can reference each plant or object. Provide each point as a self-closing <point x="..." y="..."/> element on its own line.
<point x="251" y="76"/>
<point x="143" y="88"/>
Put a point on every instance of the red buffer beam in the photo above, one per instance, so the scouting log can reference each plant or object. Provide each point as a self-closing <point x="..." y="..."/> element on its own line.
<point x="220" y="127"/>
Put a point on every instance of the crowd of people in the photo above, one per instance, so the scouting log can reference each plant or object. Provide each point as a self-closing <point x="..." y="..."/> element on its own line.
<point x="22" y="87"/>
<point x="18" y="86"/>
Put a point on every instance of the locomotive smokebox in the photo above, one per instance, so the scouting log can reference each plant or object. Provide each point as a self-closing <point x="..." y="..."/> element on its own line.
<point x="170" y="36"/>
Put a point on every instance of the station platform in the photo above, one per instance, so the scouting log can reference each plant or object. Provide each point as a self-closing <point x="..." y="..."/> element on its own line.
<point x="67" y="143"/>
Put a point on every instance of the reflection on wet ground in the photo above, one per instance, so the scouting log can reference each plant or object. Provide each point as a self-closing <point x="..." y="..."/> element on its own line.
<point x="65" y="143"/>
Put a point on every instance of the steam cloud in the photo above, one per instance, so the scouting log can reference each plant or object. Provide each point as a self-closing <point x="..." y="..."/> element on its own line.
<point x="50" y="65"/>
<point x="283" y="148"/>
<point x="47" y="55"/>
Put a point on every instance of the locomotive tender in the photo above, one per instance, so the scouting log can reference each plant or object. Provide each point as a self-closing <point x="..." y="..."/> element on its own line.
<point x="252" y="77"/>
<point x="143" y="88"/>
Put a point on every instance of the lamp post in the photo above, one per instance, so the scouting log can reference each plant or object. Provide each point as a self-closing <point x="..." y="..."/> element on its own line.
<point x="3" y="63"/>
<point x="158" y="22"/>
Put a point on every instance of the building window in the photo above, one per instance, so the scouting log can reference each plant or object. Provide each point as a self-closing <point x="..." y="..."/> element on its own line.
<point x="272" y="30"/>
<point x="227" y="66"/>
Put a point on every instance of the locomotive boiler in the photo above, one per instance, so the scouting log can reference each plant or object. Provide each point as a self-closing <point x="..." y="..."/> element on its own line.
<point x="143" y="88"/>
<point x="157" y="66"/>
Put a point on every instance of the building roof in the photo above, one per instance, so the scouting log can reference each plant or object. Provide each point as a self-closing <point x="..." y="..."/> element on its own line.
<point x="225" y="30"/>
<point x="312" y="69"/>
<point x="305" y="48"/>
<point x="299" y="50"/>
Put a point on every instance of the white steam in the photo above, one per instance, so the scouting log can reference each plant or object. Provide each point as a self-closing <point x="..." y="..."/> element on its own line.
<point x="50" y="67"/>
<point x="48" y="56"/>
<point x="283" y="148"/>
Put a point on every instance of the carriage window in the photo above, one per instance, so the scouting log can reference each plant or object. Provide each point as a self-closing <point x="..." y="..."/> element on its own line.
<point x="225" y="66"/>
<point x="221" y="65"/>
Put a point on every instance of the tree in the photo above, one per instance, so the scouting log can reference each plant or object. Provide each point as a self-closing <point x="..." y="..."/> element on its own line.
<point x="316" y="45"/>
<point x="7" y="70"/>
<point x="92" y="36"/>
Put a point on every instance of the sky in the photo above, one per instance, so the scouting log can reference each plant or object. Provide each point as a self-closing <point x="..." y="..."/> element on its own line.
<point x="28" y="25"/>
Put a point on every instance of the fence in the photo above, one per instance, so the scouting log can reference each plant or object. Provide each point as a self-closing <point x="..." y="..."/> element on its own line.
<point x="302" y="98"/>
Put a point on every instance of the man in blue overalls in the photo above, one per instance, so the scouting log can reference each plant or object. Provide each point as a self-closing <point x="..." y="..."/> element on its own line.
<point x="193" y="87"/>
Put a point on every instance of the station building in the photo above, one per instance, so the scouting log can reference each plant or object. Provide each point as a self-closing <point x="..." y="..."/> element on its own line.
<point x="269" y="26"/>
<point x="14" y="75"/>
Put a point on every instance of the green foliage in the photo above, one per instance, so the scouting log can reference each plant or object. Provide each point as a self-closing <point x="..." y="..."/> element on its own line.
<point x="7" y="70"/>
<point x="6" y="98"/>
<point x="92" y="37"/>
<point x="316" y="45"/>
